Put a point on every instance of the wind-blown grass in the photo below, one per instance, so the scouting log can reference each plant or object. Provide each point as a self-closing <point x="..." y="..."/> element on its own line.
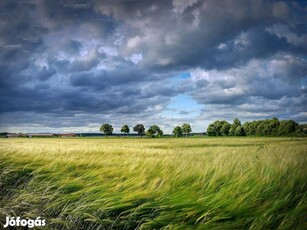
<point x="184" y="183"/>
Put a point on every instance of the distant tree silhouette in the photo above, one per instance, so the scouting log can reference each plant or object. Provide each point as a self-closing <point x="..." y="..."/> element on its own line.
<point x="186" y="129"/>
<point x="107" y="129"/>
<point x="177" y="131"/>
<point x="125" y="129"/>
<point x="140" y="129"/>
<point x="154" y="131"/>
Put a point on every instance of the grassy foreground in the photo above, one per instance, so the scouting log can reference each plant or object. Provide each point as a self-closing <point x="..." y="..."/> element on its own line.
<point x="183" y="183"/>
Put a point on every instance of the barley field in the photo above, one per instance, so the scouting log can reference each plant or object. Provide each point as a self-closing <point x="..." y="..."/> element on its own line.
<point x="158" y="183"/>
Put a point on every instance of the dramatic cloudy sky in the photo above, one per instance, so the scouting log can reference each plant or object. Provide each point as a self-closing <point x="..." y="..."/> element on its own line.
<point x="69" y="66"/>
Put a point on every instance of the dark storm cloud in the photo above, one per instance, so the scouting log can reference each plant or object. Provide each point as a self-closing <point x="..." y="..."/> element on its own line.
<point x="19" y="25"/>
<point x="108" y="59"/>
<point x="73" y="47"/>
<point x="65" y="13"/>
<point x="270" y="78"/>
<point x="191" y="38"/>
<point x="103" y="79"/>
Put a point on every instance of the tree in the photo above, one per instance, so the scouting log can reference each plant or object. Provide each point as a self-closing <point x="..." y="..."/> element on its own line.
<point x="235" y="124"/>
<point x="125" y="129"/>
<point x="274" y="125"/>
<point x="186" y="129"/>
<point x="267" y="127"/>
<point x="247" y="126"/>
<point x="211" y="130"/>
<point x="154" y="131"/>
<point x="302" y="129"/>
<point x="287" y="127"/>
<point x="239" y="131"/>
<point x="140" y="129"/>
<point x="107" y="129"/>
<point x="177" y="131"/>
<point x="218" y="128"/>
<point x="225" y="128"/>
<point x="250" y="128"/>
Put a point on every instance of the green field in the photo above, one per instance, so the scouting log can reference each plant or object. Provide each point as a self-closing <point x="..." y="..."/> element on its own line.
<point x="170" y="183"/>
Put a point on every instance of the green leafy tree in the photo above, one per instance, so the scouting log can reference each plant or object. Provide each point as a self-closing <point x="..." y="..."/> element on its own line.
<point x="250" y="128"/>
<point x="274" y="125"/>
<point x="186" y="129"/>
<point x="140" y="129"/>
<point x="301" y="130"/>
<point x="239" y="131"/>
<point x="211" y="130"/>
<point x="177" y="131"/>
<point x="235" y="124"/>
<point x="218" y="128"/>
<point x="107" y="129"/>
<point x="270" y="127"/>
<point x="260" y="129"/>
<point x="154" y="131"/>
<point x="247" y="127"/>
<point x="225" y="128"/>
<point x="287" y="127"/>
<point x="125" y="129"/>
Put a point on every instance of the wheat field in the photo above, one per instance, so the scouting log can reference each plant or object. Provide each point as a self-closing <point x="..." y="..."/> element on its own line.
<point x="159" y="183"/>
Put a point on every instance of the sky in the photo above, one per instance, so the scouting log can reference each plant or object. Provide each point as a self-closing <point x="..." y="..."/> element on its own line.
<point x="70" y="66"/>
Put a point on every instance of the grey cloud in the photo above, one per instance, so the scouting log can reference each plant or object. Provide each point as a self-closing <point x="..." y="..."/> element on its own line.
<point x="66" y="58"/>
<point x="59" y="15"/>
<point x="262" y="89"/>
<point x="73" y="47"/>
<point x="45" y="73"/>
<point x="86" y="63"/>
<point x="103" y="79"/>
<point x="269" y="79"/>
<point x="216" y="26"/>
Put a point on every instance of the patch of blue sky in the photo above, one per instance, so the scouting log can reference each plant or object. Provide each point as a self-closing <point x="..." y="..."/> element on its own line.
<point x="180" y="77"/>
<point x="184" y="75"/>
<point x="182" y="106"/>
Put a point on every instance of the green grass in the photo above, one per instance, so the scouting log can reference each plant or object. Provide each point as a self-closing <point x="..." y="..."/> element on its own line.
<point x="133" y="183"/>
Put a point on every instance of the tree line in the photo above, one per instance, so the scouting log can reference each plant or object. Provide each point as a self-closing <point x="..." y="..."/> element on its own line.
<point x="153" y="131"/>
<point x="268" y="127"/>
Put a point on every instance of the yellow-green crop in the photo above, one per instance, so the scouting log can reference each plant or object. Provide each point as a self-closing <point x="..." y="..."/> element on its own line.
<point x="170" y="183"/>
